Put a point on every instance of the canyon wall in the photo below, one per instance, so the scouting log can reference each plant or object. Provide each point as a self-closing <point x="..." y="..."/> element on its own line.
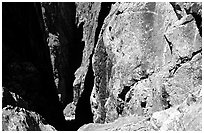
<point x="103" y="66"/>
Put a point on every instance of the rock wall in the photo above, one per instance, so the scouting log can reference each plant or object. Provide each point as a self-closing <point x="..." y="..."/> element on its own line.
<point x="184" y="117"/>
<point x="118" y="66"/>
<point x="144" y="60"/>
<point x="19" y="119"/>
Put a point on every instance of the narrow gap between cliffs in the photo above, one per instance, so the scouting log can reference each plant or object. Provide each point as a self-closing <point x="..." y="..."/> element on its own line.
<point x="84" y="114"/>
<point x="105" y="9"/>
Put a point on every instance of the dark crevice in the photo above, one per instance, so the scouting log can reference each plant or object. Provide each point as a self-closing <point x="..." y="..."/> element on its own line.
<point x="169" y="43"/>
<point x="84" y="114"/>
<point x="176" y="7"/>
<point x="143" y="104"/>
<point x="173" y="70"/>
<point x="75" y="52"/>
<point x="105" y="9"/>
<point x="164" y="98"/>
<point x="83" y="107"/>
<point x="124" y="92"/>
<point x="198" y="19"/>
<point x="71" y="49"/>
<point x="145" y="76"/>
<point x="196" y="52"/>
<point x="187" y="21"/>
<point x="119" y="12"/>
<point x="128" y="99"/>
<point x="183" y="60"/>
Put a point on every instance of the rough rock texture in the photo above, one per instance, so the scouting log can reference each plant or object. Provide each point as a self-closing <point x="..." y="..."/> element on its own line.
<point x="19" y="119"/>
<point x="87" y="14"/>
<point x="184" y="117"/>
<point x="147" y="59"/>
<point x="118" y="66"/>
<point x="70" y="31"/>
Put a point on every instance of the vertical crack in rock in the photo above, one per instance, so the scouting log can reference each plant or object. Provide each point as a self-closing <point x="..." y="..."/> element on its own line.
<point x="83" y="107"/>
<point x="105" y="8"/>
<point x="84" y="116"/>
<point x="198" y="19"/>
<point x="101" y="67"/>
<point x="86" y="15"/>
<point x="66" y="45"/>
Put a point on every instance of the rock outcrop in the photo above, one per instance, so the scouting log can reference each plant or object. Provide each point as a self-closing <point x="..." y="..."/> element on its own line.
<point x="184" y="117"/>
<point x="144" y="61"/>
<point x="19" y="119"/>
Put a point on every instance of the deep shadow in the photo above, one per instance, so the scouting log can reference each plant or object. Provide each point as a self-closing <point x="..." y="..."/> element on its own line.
<point x="83" y="109"/>
<point x="24" y="44"/>
<point x="124" y="92"/>
<point x="105" y="9"/>
<point x="61" y="19"/>
<point x="26" y="67"/>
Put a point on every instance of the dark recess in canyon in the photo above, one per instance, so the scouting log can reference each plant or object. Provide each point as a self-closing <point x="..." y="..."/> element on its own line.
<point x="24" y="40"/>
<point x="42" y="42"/>
<point x="70" y="37"/>
<point x="26" y="68"/>
<point x="83" y="109"/>
<point x="105" y="9"/>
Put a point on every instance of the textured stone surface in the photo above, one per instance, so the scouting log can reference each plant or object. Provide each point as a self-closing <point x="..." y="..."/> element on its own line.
<point x="146" y="60"/>
<point x="185" y="117"/>
<point x="64" y="50"/>
<point x="87" y="13"/>
<point x="19" y="119"/>
<point x="118" y="66"/>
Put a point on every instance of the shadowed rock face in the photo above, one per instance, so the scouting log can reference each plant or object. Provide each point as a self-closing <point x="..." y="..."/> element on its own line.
<point x="66" y="47"/>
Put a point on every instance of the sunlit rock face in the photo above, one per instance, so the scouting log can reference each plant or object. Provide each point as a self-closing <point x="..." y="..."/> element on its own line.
<point x="184" y="117"/>
<point x="144" y="61"/>
<point x="19" y="119"/>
